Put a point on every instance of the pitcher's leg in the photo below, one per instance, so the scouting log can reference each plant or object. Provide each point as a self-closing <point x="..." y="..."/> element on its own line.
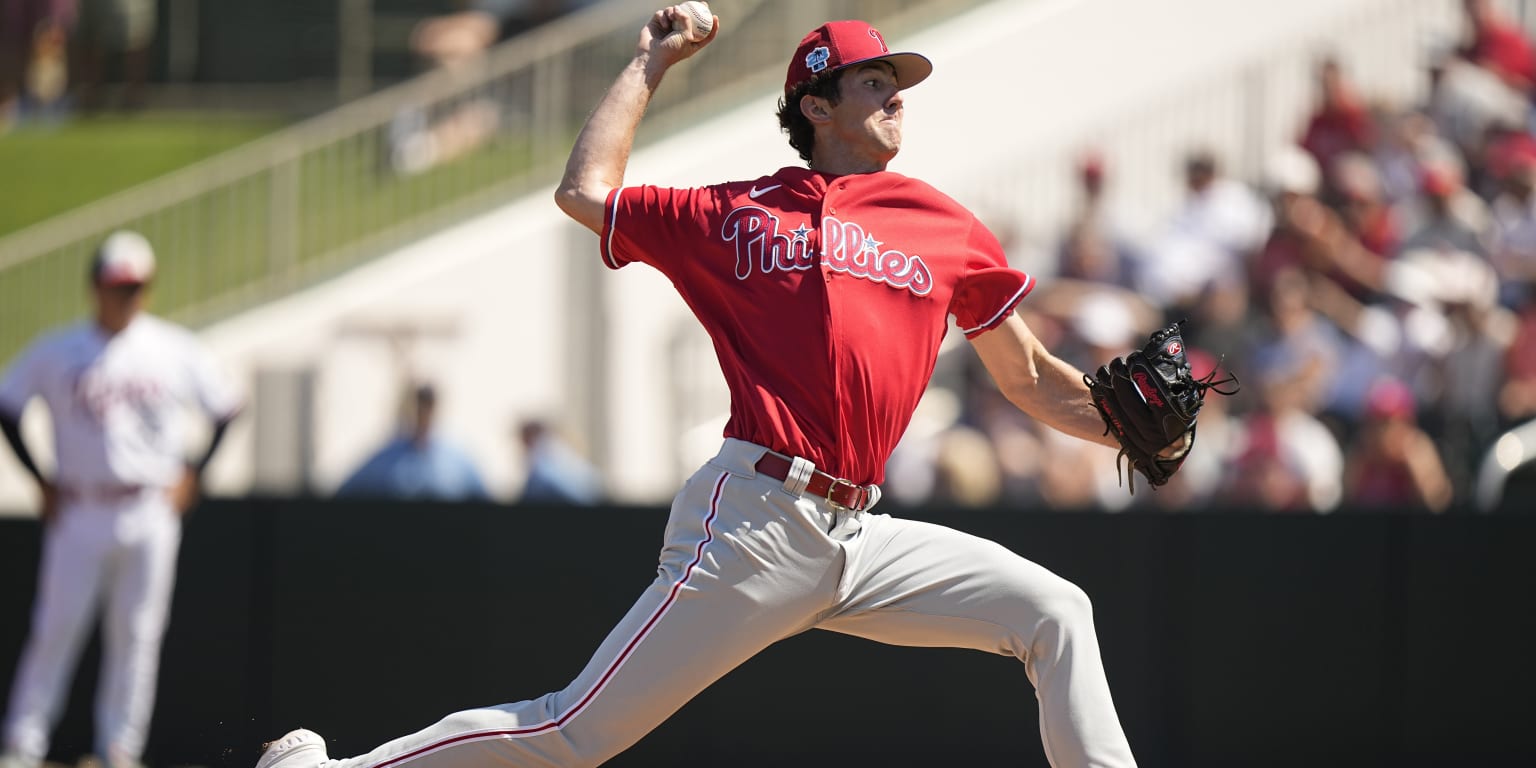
<point x="138" y="606"/>
<point x="715" y="604"/>
<point x="652" y="663"/>
<point x="68" y="585"/>
<point x="917" y="584"/>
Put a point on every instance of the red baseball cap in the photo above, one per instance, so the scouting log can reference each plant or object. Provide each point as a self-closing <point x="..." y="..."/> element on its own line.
<point x="838" y="44"/>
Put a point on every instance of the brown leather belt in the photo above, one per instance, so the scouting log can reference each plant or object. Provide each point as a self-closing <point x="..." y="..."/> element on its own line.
<point x="821" y="485"/>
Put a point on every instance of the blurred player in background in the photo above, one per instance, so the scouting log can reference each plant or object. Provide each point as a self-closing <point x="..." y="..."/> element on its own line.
<point x="117" y="387"/>
<point x="827" y="291"/>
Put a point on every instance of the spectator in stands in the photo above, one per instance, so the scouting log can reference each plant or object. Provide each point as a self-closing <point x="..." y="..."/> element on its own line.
<point x="1496" y="43"/>
<point x="1464" y="99"/>
<point x="1095" y="247"/>
<point x="911" y="474"/>
<point x="26" y="29"/>
<point x="1341" y="122"/>
<point x="1505" y="147"/>
<point x="1286" y="459"/>
<point x="1394" y="464"/>
<point x="419" y="463"/>
<point x="1517" y="393"/>
<point x="966" y="473"/>
<point x="1017" y="445"/>
<point x="1298" y="342"/>
<point x="1311" y="237"/>
<point x="1513" y="237"/>
<point x="1408" y="141"/>
<point x="1293" y="181"/>
<point x="941" y="460"/>
<point x="556" y="472"/>
<point x="1447" y="215"/>
<point x="114" y="31"/>
<point x="422" y="138"/>
<point x="1219" y="321"/>
<point x="1373" y="231"/>
<point x="1214" y="232"/>
<point x="458" y="36"/>
<point x="1362" y="203"/>
<point x="1463" y="417"/>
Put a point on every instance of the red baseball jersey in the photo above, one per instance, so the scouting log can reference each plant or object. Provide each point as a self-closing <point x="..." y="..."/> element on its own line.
<point x="826" y="296"/>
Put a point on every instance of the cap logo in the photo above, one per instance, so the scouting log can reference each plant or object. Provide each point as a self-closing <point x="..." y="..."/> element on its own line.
<point x="875" y="33"/>
<point x="817" y="59"/>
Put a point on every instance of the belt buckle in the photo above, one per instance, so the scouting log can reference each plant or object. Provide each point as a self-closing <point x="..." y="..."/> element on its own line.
<point x="832" y="488"/>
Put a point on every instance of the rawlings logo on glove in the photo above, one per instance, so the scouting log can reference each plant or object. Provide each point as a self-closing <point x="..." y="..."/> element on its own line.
<point x="1150" y="400"/>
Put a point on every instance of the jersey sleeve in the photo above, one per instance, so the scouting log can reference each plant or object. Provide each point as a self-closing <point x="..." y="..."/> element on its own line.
<point x="990" y="289"/>
<point x="21" y="381"/>
<point x="653" y="225"/>
<point x="215" y="392"/>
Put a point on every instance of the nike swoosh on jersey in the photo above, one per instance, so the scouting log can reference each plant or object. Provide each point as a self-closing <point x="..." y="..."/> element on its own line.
<point x="755" y="193"/>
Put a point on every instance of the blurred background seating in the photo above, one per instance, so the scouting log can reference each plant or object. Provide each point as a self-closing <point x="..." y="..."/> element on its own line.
<point x="1336" y="193"/>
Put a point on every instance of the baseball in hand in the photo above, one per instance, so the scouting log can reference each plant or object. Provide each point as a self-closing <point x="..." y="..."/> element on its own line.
<point x="696" y="22"/>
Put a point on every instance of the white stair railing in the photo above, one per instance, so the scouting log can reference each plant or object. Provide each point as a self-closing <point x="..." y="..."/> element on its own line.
<point x="358" y="181"/>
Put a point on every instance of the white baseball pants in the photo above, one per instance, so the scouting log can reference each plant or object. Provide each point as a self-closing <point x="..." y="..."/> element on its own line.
<point x="120" y="557"/>
<point x="746" y="564"/>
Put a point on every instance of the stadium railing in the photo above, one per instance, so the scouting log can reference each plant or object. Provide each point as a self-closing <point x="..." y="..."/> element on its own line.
<point x="354" y="183"/>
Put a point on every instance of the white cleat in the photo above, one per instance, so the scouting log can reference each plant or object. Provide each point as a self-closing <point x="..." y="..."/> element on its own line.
<point x="296" y="749"/>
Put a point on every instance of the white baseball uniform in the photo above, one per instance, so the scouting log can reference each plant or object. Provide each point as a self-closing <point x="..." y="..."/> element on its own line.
<point x="118" y="405"/>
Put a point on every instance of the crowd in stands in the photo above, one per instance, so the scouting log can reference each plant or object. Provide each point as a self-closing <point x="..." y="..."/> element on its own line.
<point x="50" y="48"/>
<point x="1373" y="291"/>
<point x="423" y="462"/>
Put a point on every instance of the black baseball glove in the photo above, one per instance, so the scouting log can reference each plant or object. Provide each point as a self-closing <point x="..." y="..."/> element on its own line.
<point x="1149" y="400"/>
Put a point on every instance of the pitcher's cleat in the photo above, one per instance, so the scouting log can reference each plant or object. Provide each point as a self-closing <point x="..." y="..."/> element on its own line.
<point x="296" y="749"/>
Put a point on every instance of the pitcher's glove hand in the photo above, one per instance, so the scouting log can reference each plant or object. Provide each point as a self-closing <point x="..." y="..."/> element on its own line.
<point x="1149" y="400"/>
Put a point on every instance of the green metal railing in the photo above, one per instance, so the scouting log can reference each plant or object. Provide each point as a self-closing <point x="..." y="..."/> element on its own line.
<point x="349" y="185"/>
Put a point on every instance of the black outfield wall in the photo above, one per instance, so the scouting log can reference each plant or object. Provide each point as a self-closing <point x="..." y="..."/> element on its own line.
<point x="1230" y="640"/>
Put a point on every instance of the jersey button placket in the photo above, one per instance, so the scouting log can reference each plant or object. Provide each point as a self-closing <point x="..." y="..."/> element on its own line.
<point x="831" y="210"/>
<point x="834" y="325"/>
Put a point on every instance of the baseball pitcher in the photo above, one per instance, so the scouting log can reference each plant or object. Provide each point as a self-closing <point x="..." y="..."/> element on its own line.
<point x="827" y="291"/>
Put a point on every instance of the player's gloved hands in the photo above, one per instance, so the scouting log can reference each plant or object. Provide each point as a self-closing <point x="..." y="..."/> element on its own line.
<point x="1149" y="401"/>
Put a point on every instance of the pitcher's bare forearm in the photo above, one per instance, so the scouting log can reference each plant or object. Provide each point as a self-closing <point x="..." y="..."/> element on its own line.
<point x="601" y="153"/>
<point x="1049" y="389"/>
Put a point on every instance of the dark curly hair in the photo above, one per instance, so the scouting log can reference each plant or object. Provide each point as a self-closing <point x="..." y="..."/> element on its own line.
<point x="802" y="135"/>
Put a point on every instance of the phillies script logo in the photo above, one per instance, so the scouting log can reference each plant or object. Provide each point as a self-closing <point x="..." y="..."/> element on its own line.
<point x="1147" y="388"/>
<point x="97" y="393"/>
<point x="845" y="247"/>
